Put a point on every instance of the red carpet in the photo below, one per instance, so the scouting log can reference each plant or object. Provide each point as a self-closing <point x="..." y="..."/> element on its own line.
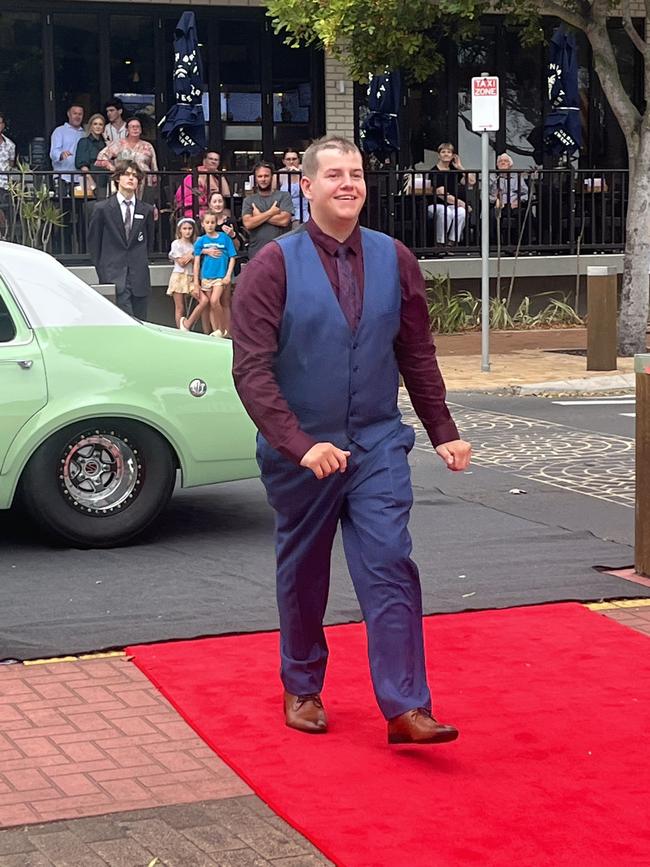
<point x="552" y="766"/>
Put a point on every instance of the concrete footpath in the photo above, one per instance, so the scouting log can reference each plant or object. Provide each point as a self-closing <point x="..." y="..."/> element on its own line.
<point x="96" y="768"/>
<point x="528" y="362"/>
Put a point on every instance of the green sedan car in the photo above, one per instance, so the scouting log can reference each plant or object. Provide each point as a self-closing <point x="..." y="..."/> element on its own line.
<point x="98" y="411"/>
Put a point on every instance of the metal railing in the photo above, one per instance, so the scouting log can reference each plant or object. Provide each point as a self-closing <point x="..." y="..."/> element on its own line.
<point x="537" y="212"/>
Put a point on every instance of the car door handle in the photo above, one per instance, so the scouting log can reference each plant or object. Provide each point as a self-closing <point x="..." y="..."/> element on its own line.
<point x="25" y="363"/>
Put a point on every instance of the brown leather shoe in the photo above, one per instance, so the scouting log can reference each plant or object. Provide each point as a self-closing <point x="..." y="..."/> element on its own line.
<point x="305" y="713"/>
<point x="417" y="726"/>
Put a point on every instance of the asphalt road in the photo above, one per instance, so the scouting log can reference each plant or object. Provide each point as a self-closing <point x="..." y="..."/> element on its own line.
<point x="605" y="414"/>
<point x="207" y="565"/>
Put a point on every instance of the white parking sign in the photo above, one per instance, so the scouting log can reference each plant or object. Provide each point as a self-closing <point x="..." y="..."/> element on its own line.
<point x="485" y="103"/>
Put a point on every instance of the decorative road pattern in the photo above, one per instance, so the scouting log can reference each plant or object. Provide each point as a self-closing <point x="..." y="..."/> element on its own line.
<point x="586" y="462"/>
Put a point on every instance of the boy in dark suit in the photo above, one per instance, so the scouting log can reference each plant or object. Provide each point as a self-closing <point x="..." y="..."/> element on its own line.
<point x="120" y="237"/>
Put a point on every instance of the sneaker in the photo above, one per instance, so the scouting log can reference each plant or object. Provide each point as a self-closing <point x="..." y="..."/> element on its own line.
<point x="183" y="324"/>
<point x="216" y="333"/>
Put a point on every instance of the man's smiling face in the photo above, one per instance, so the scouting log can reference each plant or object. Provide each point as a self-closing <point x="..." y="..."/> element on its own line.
<point x="338" y="191"/>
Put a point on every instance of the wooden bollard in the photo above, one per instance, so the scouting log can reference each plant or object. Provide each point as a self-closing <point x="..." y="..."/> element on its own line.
<point x="602" y="331"/>
<point x="642" y="520"/>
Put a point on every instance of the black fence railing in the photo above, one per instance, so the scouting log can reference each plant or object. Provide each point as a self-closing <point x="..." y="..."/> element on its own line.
<point x="536" y="212"/>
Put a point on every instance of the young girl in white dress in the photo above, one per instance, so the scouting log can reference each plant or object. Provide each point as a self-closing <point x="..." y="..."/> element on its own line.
<point x="182" y="255"/>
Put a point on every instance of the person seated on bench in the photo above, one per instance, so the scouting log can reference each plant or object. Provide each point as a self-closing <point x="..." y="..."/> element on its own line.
<point x="450" y="182"/>
<point x="508" y="192"/>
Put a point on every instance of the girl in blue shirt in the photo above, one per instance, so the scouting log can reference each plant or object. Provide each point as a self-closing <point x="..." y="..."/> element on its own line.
<point x="214" y="261"/>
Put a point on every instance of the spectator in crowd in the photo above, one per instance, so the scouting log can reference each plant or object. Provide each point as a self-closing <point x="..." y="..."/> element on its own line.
<point x="450" y="181"/>
<point x="96" y="178"/>
<point x="182" y="255"/>
<point x="225" y="222"/>
<point x="134" y="148"/>
<point x="290" y="182"/>
<point x="508" y="190"/>
<point x="211" y="179"/>
<point x="7" y="162"/>
<point x="120" y="236"/>
<point x="64" y="141"/>
<point x="214" y="261"/>
<point x="115" y="129"/>
<point x="266" y="214"/>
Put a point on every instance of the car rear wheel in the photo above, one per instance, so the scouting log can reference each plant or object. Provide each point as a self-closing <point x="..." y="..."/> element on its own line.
<point x="96" y="484"/>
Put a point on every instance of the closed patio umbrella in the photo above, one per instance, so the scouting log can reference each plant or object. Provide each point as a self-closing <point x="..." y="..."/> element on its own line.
<point x="380" y="129"/>
<point x="183" y="127"/>
<point x="562" y="128"/>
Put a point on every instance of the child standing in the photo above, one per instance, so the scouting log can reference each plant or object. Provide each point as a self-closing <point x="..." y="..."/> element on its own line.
<point x="182" y="255"/>
<point x="214" y="261"/>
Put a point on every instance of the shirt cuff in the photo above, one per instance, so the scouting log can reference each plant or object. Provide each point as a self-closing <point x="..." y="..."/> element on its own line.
<point x="297" y="447"/>
<point x="445" y="432"/>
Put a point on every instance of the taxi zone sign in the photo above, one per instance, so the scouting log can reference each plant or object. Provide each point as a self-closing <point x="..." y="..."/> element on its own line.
<point x="485" y="103"/>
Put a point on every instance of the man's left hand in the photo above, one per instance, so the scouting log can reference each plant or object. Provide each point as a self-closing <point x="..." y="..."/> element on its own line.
<point x="456" y="454"/>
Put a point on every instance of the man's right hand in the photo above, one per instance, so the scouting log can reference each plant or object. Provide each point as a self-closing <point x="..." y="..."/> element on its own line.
<point x="323" y="459"/>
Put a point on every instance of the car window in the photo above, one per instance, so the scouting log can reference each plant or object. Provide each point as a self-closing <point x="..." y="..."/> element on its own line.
<point x="7" y="327"/>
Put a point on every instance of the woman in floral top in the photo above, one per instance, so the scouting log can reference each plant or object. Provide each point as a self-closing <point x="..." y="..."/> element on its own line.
<point x="133" y="148"/>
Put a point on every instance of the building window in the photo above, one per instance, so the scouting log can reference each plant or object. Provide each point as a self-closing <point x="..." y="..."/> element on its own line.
<point x="76" y="62"/>
<point x="292" y="96"/>
<point x="241" y="91"/>
<point x="133" y="68"/>
<point x="21" y="77"/>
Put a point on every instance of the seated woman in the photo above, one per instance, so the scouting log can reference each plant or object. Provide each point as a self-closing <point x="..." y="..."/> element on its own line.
<point x="450" y="182"/>
<point x="507" y="189"/>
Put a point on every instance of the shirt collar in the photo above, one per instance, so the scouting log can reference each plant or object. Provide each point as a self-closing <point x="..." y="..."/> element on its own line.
<point x="330" y="244"/>
<point x="121" y="199"/>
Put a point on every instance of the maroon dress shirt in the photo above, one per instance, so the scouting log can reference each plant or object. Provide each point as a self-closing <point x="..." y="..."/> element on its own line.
<point x="258" y="307"/>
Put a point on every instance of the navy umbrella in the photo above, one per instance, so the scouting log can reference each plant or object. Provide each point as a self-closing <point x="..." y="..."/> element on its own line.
<point x="380" y="129"/>
<point x="183" y="126"/>
<point x="562" y="126"/>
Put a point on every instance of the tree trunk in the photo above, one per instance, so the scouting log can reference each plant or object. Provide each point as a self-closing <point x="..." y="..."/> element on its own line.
<point x="633" y="320"/>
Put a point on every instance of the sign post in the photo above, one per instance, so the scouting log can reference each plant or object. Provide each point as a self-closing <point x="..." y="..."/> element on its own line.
<point x="485" y="118"/>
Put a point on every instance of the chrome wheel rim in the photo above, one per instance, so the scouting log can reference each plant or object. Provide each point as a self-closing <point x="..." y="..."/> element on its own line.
<point x="100" y="472"/>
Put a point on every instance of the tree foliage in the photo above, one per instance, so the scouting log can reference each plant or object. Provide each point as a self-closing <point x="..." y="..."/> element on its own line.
<point x="371" y="36"/>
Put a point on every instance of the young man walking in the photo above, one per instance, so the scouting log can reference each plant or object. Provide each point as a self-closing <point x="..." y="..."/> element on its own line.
<point x="324" y="321"/>
<point x="120" y="237"/>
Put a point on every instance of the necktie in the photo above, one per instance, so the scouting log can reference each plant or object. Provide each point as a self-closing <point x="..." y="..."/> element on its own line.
<point x="348" y="290"/>
<point x="128" y="220"/>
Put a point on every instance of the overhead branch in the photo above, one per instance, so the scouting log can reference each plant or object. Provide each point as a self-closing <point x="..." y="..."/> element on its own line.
<point x="569" y="16"/>
<point x="635" y="38"/>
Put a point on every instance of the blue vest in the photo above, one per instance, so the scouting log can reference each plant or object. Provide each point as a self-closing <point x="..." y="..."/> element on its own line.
<point x="342" y="385"/>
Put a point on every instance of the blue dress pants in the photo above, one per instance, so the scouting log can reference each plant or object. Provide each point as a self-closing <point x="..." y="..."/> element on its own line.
<point x="372" y="501"/>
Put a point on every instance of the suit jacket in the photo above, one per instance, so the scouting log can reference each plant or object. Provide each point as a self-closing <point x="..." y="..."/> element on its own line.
<point x="118" y="259"/>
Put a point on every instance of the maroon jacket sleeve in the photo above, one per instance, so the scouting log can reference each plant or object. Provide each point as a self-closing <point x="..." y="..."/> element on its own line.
<point x="416" y="354"/>
<point x="258" y="305"/>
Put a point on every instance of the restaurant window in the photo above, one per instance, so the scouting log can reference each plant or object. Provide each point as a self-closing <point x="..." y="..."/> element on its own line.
<point x="292" y="95"/>
<point x="241" y="91"/>
<point x="133" y="68"/>
<point x="76" y="62"/>
<point x="21" y="77"/>
<point x="427" y="119"/>
<point x="522" y="94"/>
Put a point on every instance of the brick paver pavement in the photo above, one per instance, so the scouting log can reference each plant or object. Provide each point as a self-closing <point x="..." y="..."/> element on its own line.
<point x="96" y="768"/>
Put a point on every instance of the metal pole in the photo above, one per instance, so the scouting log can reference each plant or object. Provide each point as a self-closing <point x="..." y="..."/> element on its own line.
<point x="485" y="255"/>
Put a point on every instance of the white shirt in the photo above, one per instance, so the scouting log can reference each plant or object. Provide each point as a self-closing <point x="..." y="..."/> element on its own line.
<point x="121" y="200"/>
<point x="111" y="133"/>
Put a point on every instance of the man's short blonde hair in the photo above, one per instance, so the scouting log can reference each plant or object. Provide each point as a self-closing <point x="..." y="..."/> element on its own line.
<point x="326" y="143"/>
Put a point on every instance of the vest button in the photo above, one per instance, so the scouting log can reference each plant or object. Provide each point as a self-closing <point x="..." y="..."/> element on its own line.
<point x="355" y="368"/>
<point x="355" y="346"/>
